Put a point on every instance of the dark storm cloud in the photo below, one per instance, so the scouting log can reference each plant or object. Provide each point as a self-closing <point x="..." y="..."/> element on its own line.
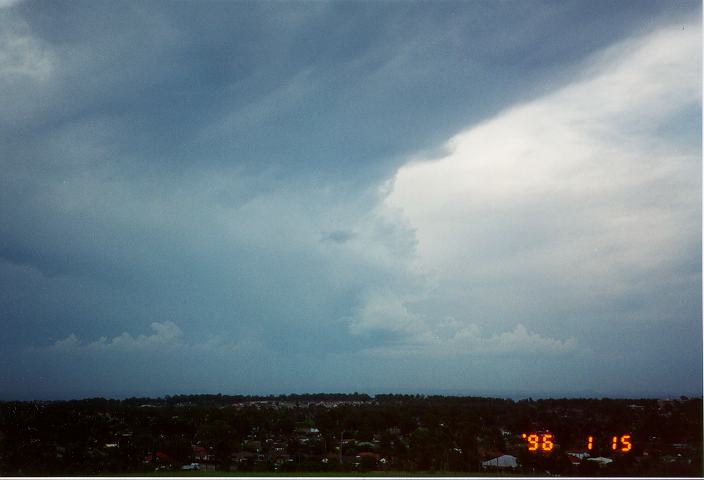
<point x="207" y="183"/>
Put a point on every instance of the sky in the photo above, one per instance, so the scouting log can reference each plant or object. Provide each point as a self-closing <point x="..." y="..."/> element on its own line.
<point x="472" y="197"/>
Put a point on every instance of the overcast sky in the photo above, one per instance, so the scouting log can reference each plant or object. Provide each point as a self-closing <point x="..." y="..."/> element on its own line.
<point x="487" y="198"/>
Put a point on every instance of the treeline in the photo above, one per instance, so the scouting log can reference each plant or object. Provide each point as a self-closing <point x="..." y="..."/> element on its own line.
<point x="211" y="400"/>
<point x="220" y="399"/>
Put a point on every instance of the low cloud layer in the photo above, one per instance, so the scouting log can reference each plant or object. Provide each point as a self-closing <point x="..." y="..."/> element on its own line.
<point x="167" y="335"/>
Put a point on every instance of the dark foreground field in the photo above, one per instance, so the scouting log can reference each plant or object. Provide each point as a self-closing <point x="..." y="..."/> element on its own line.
<point x="372" y="473"/>
<point x="351" y="435"/>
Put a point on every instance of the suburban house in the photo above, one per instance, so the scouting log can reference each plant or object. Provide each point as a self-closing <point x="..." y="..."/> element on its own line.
<point x="504" y="461"/>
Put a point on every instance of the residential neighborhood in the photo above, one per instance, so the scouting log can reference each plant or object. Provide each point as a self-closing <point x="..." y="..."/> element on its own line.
<point x="351" y="433"/>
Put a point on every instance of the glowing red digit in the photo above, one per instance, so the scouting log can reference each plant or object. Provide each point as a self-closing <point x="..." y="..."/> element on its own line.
<point x="614" y="443"/>
<point x="626" y="442"/>
<point x="533" y="440"/>
<point x="547" y="444"/>
<point x="590" y="442"/>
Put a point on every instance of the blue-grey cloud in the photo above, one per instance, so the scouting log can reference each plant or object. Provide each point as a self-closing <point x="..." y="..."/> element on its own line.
<point x="235" y="181"/>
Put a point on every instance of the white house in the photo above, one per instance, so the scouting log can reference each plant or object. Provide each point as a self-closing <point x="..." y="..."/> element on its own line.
<point x="504" y="461"/>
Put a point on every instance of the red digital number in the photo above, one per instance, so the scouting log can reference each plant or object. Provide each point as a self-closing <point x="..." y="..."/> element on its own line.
<point x="538" y="442"/>
<point x="622" y="443"/>
<point x="547" y="444"/>
<point x="626" y="442"/>
<point x="533" y="441"/>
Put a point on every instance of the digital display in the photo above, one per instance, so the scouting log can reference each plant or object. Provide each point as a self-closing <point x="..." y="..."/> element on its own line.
<point x="545" y="442"/>
<point x="541" y="442"/>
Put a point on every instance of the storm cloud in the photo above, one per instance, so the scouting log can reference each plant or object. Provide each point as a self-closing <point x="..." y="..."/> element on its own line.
<point x="265" y="197"/>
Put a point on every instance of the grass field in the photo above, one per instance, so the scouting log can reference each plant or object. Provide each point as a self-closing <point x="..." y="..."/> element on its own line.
<point x="380" y="473"/>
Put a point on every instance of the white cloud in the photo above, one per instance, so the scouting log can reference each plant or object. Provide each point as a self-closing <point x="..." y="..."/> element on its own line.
<point x="386" y="312"/>
<point x="22" y="56"/>
<point x="519" y="340"/>
<point x="68" y="344"/>
<point x="587" y="151"/>
<point x="8" y="3"/>
<point x="413" y="333"/>
<point x="29" y="72"/>
<point x="449" y="337"/>
<point x="167" y="335"/>
<point x="566" y="200"/>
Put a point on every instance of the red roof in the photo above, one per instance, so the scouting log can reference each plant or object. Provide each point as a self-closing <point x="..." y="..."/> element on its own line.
<point x="161" y="456"/>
